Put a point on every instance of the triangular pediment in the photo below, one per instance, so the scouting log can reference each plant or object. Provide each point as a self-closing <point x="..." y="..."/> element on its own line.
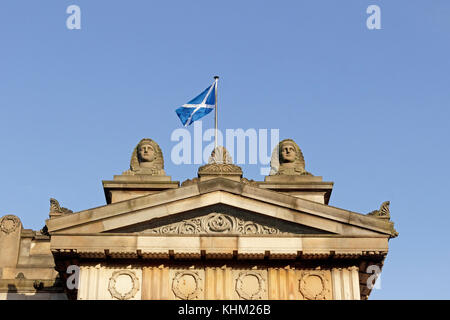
<point x="218" y="219"/>
<point x="219" y="201"/>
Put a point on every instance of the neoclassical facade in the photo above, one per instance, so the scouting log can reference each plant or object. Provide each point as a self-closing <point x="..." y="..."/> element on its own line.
<point x="216" y="236"/>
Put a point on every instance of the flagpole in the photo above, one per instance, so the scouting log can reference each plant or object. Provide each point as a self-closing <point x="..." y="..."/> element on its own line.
<point x="216" y="79"/>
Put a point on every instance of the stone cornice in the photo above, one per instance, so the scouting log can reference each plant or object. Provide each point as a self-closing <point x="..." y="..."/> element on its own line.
<point x="132" y="246"/>
<point x="96" y="215"/>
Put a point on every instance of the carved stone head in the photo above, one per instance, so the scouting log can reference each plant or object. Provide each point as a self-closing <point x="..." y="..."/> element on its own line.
<point x="147" y="158"/>
<point x="146" y="151"/>
<point x="287" y="159"/>
<point x="289" y="152"/>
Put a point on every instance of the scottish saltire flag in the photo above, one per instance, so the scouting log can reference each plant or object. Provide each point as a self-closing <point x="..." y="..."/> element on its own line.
<point x="198" y="107"/>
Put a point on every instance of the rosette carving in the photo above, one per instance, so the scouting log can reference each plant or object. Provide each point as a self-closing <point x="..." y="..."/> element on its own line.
<point x="115" y="292"/>
<point x="314" y="285"/>
<point x="250" y="285"/>
<point x="187" y="285"/>
<point x="9" y="224"/>
<point x="219" y="223"/>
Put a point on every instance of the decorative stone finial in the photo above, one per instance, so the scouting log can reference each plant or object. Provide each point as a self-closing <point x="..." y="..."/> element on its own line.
<point x="383" y="212"/>
<point x="220" y="155"/>
<point x="147" y="158"/>
<point x="55" y="208"/>
<point x="287" y="159"/>
<point x="220" y="164"/>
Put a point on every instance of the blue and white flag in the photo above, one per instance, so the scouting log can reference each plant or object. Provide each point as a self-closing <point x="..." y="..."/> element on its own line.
<point x="198" y="107"/>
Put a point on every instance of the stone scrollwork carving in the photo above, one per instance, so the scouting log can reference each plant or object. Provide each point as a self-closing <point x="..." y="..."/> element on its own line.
<point x="250" y="285"/>
<point x="314" y="285"/>
<point x="131" y="281"/>
<point x="383" y="212"/>
<point x="187" y="285"/>
<point x="220" y="168"/>
<point x="215" y="223"/>
<point x="9" y="224"/>
<point x="56" y="208"/>
<point x="219" y="223"/>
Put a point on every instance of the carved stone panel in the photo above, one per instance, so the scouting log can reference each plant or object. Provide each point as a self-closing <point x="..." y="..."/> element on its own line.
<point x="219" y="219"/>
<point x="215" y="223"/>
<point x="250" y="284"/>
<point x="187" y="284"/>
<point x="123" y="284"/>
<point x="9" y="224"/>
<point x="315" y="285"/>
<point x="109" y="282"/>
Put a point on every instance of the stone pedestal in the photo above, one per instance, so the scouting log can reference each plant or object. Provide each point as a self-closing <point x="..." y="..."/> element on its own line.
<point x="305" y="187"/>
<point x="224" y="170"/>
<point x="125" y="187"/>
<point x="10" y="232"/>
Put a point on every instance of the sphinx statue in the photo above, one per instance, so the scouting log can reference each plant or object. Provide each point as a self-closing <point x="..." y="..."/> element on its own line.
<point x="146" y="159"/>
<point x="287" y="159"/>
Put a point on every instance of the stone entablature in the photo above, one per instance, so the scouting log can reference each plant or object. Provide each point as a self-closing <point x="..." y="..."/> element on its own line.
<point x="224" y="281"/>
<point x="245" y="247"/>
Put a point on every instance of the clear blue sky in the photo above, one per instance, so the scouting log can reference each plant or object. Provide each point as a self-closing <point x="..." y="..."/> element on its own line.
<point x="369" y="108"/>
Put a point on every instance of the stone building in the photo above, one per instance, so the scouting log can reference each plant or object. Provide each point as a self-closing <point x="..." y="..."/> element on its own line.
<point x="217" y="236"/>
